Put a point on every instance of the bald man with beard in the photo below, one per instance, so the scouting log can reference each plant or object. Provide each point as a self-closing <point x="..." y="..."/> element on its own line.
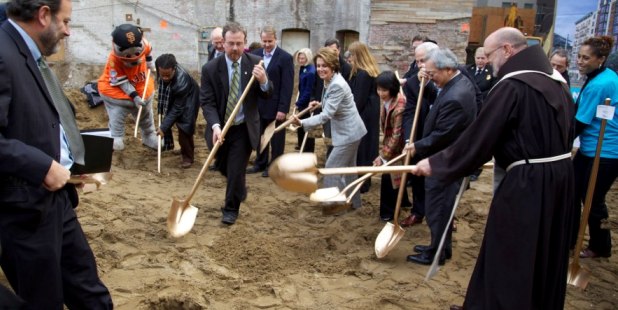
<point x="526" y="126"/>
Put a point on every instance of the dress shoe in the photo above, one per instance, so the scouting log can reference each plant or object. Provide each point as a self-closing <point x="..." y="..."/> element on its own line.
<point x="473" y="178"/>
<point x="448" y="252"/>
<point x="186" y="164"/>
<point x="588" y="253"/>
<point x="212" y="168"/>
<point x="424" y="259"/>
<point x="411" y="220"/>
<point x="254" y="169"/>
<point x="456" y="307"/>
<point x="229" y="217"/>
<point x="421" y="248"/>
<point x="386" y="218"/>
<point x="265" y="173"/>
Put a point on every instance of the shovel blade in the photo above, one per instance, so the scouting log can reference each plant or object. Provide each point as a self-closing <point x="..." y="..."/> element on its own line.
<point x="329" y="194"/>
<point x="387" y="239"/>
<point x="578" y="276"/>
<point x="269" y="131"/>
<point x="293" y="172"/>
<point x="181" y="218"/>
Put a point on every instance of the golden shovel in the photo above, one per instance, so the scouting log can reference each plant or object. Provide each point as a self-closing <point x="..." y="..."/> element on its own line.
<point x="182" y="215"/>
<point x="578" y="275"/>
<point x="298" y="172"/>
<point x="332" y="194"/>
<point x="271" y="129"/>
<point x="390" y="235"/>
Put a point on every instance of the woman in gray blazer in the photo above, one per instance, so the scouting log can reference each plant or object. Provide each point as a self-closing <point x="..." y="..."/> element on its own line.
<point x="338" y="107"/>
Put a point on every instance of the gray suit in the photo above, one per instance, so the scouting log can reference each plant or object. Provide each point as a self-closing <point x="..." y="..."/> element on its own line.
<point x="338" y="106"/>
<point x="347" y="129"/>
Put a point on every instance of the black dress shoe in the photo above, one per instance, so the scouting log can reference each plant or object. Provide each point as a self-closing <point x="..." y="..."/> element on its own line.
<point x="265" y="173"/>
<point x="254" y="169"/>
<point x="229" y="217"/>
<point x="421" y="248"/>
<point x="448" y="252"/>
<point x="424" y="259"/>
<point x="386" y="218"/>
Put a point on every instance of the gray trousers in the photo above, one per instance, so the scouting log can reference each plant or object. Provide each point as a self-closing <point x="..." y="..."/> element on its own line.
<point x="343" y="156"/>
<point x="117" y="111"/>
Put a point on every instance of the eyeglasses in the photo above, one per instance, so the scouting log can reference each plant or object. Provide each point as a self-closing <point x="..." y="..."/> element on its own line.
<point x="495" y="49"/>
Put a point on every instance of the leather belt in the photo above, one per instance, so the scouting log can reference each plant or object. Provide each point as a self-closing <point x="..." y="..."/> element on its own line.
<point x="538" y="160"/>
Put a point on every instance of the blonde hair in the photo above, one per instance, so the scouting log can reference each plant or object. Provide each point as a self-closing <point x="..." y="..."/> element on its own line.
<point x="308" y="54"/>
<point x="363" y="59"/>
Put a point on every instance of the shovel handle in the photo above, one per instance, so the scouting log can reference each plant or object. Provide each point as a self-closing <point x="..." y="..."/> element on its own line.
<point x="291" y="119"/>
<point x="219" y="142"/>
<point x="363" y="170"/>
<point x="404" y="176"/>
<point x="590" y="191"/>
<point x="139" y="110"/>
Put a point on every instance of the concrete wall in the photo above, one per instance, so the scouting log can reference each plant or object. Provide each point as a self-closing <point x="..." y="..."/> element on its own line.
<point x="183" y="27"/>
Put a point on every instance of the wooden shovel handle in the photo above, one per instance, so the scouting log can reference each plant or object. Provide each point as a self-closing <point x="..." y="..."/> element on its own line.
<point x="404" y="176"/>
<point x="363" y="170"/>
<point x="590" y="191"/>
<point x="291" y="119"/>
<point x="139" y="110"/>
<point x="219" y="142"/>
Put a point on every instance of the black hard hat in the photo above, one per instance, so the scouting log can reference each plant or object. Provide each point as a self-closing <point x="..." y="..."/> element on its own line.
<point x="127" y="36"/>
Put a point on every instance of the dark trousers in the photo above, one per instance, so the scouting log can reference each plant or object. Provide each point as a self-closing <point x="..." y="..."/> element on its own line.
<point x="8" y="300"/>
<point x="440" y="198"/>
<point x="275" y="148"/>
<point x="310" y="143"/>
<point x="187" y="146"/>
<point x="388" y="197"/>
<point x="232" y="160"/>
<point x="418" y="195"/>
<point x="600" y="240"/>
<point x="47" y="259"/>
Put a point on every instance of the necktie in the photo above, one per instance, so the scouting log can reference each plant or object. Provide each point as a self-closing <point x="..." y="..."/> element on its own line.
<point x="232" y="97"/>
<point x="478" y="71"/>
<point x="67" y="119"/>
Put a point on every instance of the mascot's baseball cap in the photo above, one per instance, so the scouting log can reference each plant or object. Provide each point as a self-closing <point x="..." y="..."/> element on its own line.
<point x="127" y="36"/>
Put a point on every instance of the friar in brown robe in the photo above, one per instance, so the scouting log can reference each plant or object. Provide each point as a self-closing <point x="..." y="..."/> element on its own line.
<point x="523" y="259"/>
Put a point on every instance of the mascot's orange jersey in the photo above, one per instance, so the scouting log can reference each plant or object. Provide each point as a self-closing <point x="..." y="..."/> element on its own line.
<point x="117" y="72"/>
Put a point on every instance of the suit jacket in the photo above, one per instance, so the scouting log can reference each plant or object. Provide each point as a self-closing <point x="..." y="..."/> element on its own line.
<point x="451" y="113"/>
<point x="215" y="89"/>
<point x="338" y="106"/>
<point x="29" y="127"/>
<point x="485" y="80"/>
<point x="280" y="72"/>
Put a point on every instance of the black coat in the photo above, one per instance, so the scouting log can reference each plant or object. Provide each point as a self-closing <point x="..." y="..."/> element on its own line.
<point x="281" y="73"/>
<point x="452" y="112"/>
<point x="184" y="103"/>
<point x="29" y="127"/>
<point x="363" y="88"/>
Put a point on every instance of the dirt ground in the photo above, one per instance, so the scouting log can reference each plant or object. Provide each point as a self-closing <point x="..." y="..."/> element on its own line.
<point x="282" y="253"/>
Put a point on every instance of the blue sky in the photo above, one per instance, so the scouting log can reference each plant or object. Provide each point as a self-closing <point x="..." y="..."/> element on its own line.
<point x="569" y="11"/>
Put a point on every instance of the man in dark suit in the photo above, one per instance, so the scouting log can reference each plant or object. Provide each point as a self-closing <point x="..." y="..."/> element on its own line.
<point x="45" y="255"/>
<point x="451" y="113"/>
<point x="559" y="60"/>
<point x="223" y="81"/>
<point x="216" y="44"/>
<point x="416" y="41"/>
<point x="482" y="72"/>
<point x="280" y="69"/>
